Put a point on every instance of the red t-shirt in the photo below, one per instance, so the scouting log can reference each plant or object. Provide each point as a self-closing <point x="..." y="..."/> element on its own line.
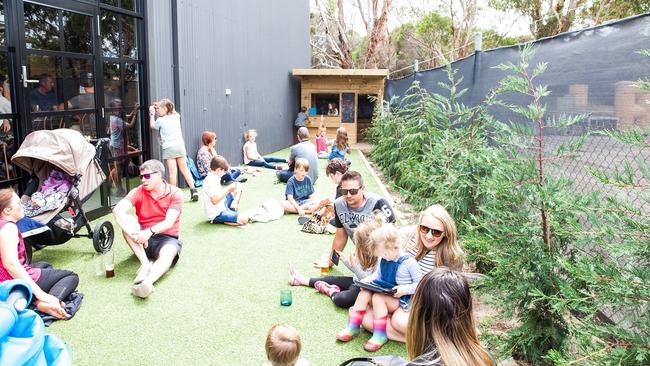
<point x="151" y="211"/>
<point x="34" y="273"/>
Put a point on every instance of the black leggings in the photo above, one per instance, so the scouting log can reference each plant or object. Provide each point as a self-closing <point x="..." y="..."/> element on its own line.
<point x="59" y="283"/>
<point x="349" y="291"/>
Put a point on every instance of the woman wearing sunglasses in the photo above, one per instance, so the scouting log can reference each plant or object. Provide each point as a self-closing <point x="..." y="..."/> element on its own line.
<point x="433" y="243"/>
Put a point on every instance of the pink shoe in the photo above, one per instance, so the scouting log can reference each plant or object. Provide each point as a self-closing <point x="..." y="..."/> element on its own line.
<point x="371" y="346"/>
<point x="325" y="288"/>
<point x="279" y="167"/>
<point x="295" y="276"/>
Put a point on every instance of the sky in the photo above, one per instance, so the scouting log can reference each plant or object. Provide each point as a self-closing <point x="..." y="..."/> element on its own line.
<point x="509" y="24"/>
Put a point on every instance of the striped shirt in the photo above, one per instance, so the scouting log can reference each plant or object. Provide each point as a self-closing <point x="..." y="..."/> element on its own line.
<point x="428" y="262"/>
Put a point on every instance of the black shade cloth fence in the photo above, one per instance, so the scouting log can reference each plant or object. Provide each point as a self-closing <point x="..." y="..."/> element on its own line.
<point x="591" y="71"/>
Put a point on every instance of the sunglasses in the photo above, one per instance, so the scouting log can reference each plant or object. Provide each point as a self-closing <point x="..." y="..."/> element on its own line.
<point x="147" y="176"/>
<point x="353" y="191"/>
<point x="425" y="229"/>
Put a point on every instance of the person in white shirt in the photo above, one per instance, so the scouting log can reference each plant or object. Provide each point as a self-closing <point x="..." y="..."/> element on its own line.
<point x="220" y="203"/>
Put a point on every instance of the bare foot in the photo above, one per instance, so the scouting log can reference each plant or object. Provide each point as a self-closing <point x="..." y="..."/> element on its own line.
<point x="143" y="273"/>
<point x="296" y="278"/>
<point x="55" y="310"/>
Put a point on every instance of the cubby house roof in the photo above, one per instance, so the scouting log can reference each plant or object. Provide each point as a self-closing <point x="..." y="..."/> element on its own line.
<point x="380" y="73"/>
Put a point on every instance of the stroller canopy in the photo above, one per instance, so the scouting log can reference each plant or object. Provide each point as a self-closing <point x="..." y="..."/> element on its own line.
<point x="64" y="149"/>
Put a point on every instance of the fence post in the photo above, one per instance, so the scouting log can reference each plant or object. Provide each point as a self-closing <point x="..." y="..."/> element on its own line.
<point x="416" y="68"/>
<point x="478" y="47"/>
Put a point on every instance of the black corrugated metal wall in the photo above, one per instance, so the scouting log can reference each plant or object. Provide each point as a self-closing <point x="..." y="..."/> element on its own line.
<point x="247" y="46"/>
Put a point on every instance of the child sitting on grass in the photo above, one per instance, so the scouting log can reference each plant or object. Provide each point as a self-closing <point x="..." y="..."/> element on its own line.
<point x="362" y="263"/>
<point x="220" y="204"/>
<point x="396" y="271"/>
<point x="283" y="347"/>
<point x="300" y="190"/>
<point x="341" y="146"/>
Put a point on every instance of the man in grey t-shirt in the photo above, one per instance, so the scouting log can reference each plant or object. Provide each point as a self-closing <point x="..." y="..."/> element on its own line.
<point x="354" y="207"/>
<point x="303" y="149"/>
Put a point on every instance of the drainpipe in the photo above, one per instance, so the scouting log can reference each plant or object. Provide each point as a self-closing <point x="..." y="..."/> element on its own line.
<point x="175" y="62"/>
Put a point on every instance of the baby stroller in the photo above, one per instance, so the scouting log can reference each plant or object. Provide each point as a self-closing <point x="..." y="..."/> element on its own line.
<point x="80" y="162"/>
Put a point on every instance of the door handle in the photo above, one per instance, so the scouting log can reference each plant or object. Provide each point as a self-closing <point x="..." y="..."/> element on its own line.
<point x="24" y="77"/>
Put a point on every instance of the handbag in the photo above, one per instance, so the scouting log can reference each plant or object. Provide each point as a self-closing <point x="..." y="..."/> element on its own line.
<point x="389" y="360"/>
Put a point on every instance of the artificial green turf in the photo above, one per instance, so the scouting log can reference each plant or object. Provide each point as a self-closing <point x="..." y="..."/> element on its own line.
<point x="216" y="306"/>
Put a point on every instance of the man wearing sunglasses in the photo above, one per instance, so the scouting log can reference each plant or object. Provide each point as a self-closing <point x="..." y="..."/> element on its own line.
<point x="153" y="233"/>
<point x="354" y="207"/>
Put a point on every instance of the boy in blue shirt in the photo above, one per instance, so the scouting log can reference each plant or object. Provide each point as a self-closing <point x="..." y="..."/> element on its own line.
<point x="300" y="190"/>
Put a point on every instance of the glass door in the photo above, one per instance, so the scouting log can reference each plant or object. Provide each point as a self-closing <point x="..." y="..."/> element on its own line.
<point x="57" y="71"/>
<point x="80" y="65"/>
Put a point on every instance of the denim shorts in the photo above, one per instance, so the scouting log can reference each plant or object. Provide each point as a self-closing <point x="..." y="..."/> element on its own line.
<point x="228" y="215"/>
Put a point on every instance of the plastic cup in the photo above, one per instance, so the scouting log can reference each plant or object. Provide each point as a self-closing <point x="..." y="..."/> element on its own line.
<point x="325" y="264"/>
<point x="285" y="297"/>
<point x="324" y="268"/>
<point x="99" y="264"/>
<point x="109" y="263"/>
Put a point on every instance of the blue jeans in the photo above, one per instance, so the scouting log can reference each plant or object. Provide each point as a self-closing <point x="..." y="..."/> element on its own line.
<point x="284" y="175"/>
<point x="230" y="175"/>
<point x="266" y="161"/>
<point x="228" y="215"/>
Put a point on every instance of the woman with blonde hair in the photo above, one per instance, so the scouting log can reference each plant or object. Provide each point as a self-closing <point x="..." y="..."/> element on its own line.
<point x="441" y="328"/>
<point x="433" y="243"/>
<point x="168" y="124"/>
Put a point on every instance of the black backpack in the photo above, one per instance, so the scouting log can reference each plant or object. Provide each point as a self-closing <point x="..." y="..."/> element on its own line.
<point x="376" y="361"/>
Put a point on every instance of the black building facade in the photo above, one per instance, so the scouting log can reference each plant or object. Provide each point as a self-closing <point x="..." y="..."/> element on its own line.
<point x="80" y="64"/>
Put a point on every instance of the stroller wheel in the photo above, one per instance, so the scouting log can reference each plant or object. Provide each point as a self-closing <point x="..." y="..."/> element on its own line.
<point x="103" y="237"/>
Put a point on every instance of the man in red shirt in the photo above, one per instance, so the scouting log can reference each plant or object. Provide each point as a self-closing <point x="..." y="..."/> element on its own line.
<point x="153" y="233"/>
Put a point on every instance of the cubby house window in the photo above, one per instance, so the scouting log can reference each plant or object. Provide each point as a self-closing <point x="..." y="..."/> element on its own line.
<point x="321" y="102"/>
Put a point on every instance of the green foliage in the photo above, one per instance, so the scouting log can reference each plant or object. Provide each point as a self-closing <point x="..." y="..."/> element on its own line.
<point x="435" y="149"/>
<point x="559" y="262"/>
<point x="492" y="39"/>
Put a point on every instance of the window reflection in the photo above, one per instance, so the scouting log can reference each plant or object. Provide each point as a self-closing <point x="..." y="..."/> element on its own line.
<point x="123" y="127"/>
<point x="112" y="82"/>
<point x="7" y="149"/>
<point x="111" y="2"/>
<point x="41" y="27"/>
<point x="43" y="95"/>
<point x="119" y="35"/>
<point x="124" y="4"/>
<point x="77" y="32"/>
<point x="132" y="84"/>
<point x="129" y="37"/>
<point x="110" y="29"/>
<point x="5" y="94"/>
<point x="2" y="23"/>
